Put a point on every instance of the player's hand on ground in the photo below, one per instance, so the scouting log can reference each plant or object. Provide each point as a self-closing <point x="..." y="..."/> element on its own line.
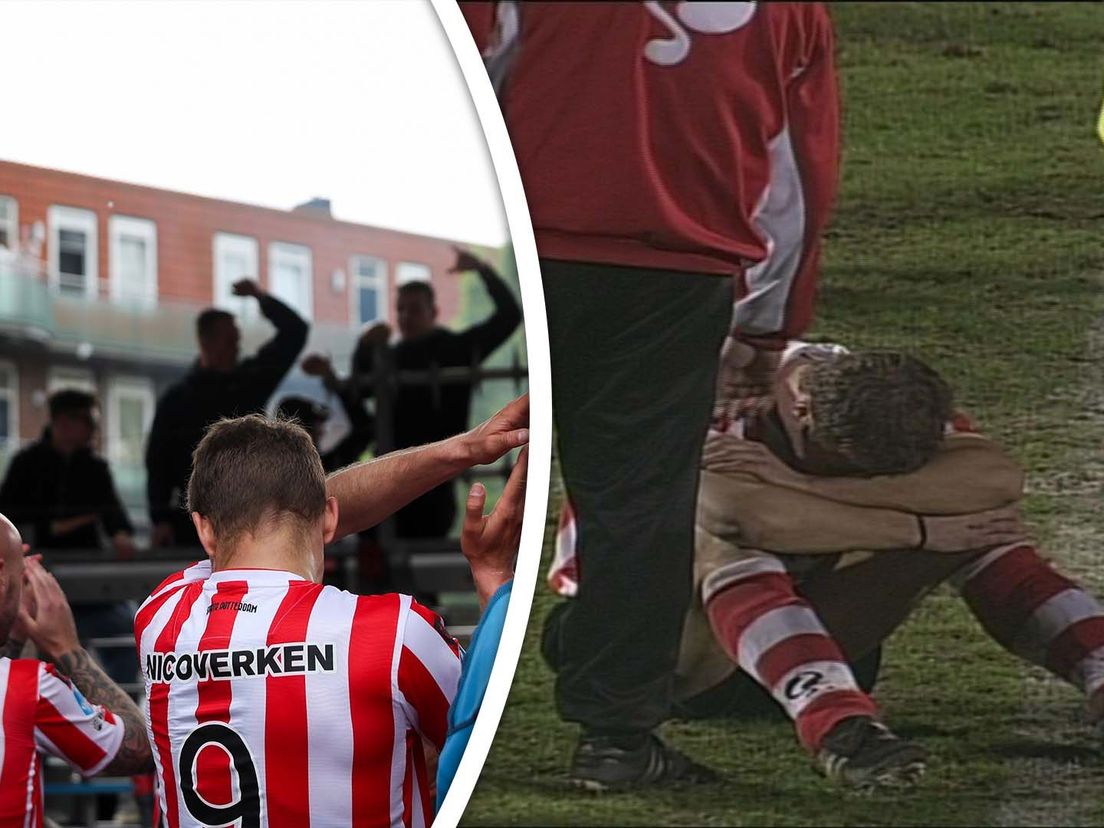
<point x="45" y="614"/>
<point x="728" y="453"/>
<point x="745" y="380"/>
<point x="506" y="430"/>
<point x="162" y="535"/>
<point x="247" y="287"/>
<point x="465" y="261"/>
<point x="980" y="530"/>
<point x="490" y="542"/>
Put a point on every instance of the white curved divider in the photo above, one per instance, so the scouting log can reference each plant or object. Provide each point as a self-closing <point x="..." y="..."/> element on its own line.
<point x="540" y="399"/>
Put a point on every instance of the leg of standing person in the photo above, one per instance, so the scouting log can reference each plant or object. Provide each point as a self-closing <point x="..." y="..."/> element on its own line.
<point x="634" y="356"/>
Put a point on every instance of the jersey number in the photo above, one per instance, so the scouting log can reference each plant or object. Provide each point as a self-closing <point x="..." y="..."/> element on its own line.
<point x="247" y="807"/>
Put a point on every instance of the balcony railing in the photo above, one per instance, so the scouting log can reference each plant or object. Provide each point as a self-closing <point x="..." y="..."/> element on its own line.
<point x="129" y="330"/>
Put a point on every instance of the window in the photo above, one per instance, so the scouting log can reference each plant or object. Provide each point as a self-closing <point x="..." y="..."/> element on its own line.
<point x="133" y="260"/>
<point x="73" y="251"/>
<point x="369" y="289"/>
<point x="9" y="411"/>
<point x="128" y="415"/>
<point x="235" y="258"/>
<point x="9" y="223"/>
<point x="80" y="379"/>
<point x="412" y="272"/>
<point x="291" y="277"/>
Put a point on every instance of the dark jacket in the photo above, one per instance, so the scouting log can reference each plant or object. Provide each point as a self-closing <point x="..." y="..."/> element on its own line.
<point x="424" y="414"/>
<point x="42" y="486"/>
<point x="204" y="396"/>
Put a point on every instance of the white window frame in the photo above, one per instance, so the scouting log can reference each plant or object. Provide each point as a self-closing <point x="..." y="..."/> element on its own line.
<point x="117" y="227"/>
<point x="11" y="393"/>
<point x="60" y="217"/>
<point x="402" y="273"/>
<point x="118" y="388"/>
<point x="301" y="256"/>
<point x="378" y="281"/>
<point x="69" y="376"/>
<point x="12" y="222"/>
<point x="222" y="283"/>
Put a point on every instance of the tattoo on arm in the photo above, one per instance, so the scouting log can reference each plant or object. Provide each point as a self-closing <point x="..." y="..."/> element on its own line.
<point x="134" y="754"/>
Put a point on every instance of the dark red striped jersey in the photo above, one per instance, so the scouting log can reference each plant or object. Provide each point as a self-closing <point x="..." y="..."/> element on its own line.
<point x="698" y="137"/>
<point x="42" y="712"/>
<point x="275" y="700"/>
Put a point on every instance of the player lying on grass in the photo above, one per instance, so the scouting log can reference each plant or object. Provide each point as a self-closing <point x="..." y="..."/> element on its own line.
<point x="273" y="698"/>
<point x="824" y="519"/>
<point x="65" y="707"/>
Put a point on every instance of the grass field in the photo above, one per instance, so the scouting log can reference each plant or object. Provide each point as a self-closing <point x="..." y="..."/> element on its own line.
<point x="970" y="230"/>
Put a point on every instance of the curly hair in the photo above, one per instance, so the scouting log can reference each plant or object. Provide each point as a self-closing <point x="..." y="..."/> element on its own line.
<point x="884" y="411"/>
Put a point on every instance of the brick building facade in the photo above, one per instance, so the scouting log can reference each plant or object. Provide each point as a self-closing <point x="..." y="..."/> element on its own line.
<point x="100" y="282"/>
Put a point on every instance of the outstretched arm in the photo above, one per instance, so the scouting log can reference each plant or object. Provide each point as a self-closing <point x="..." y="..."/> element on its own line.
<point x="48" y="621"/>
<point x="369" y="492"/>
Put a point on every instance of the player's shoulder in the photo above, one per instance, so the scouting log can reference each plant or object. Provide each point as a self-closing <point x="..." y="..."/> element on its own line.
<point x="21" y="673"/>
<point x="195" y="573"/>
<point x="396" y="611"/>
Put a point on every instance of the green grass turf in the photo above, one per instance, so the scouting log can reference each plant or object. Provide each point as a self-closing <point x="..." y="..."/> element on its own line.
<point x="969" y="231"/>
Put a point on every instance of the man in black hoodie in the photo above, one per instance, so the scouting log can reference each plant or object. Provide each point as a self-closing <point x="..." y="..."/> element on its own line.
<point x="217" y="386"/>
<point x="61" y="489"/>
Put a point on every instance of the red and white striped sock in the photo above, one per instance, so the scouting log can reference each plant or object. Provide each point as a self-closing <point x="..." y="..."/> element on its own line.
<point x="777" y="639"/>
<point x="1037" y="613"/>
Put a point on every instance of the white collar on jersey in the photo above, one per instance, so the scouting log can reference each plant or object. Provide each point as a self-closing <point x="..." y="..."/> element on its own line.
<point x="255" y="576"/>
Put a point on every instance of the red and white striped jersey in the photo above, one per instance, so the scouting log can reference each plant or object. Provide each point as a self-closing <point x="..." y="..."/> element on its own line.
<point x="275" y="700"/>
<point x="43" y="713"/>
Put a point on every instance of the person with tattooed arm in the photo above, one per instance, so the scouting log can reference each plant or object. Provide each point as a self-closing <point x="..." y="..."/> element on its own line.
<point x="65" y="706"/>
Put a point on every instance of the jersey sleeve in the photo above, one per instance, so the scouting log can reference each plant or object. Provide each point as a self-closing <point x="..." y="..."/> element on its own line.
<point x="68" y="726"/>
<point x="480" y="17"/>
<point x="777" y="295"/>
<point x="429" y="671"/>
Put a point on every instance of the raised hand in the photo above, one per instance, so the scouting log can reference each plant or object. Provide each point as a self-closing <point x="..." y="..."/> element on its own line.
<point x="45" y="615"/>
<point x="465" y="261"/>
<point x="247" y="287"/>
<point x="316" y="365"/>
<point x="490" y="542"/>
<point x="377" y="335"/>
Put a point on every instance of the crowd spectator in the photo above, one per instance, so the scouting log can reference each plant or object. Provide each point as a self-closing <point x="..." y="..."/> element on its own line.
<point x="59" y="488"/>
<point x="218" y="385"/>
<point x="64" y="706"/>
<point x="425" y="413"/>
<point x="65" y="493"/>
<point x="314" y="416"/>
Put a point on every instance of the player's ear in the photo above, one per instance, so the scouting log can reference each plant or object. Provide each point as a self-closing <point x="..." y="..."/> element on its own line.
<point x="206" y="534"/>
<point x="802" y="408"/>
<point x="329" y="520"/>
